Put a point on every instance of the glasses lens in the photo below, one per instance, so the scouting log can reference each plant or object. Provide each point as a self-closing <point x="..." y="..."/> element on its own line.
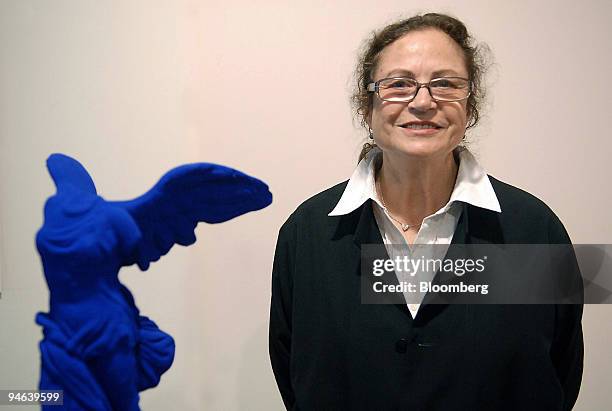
<point x="443" y="89"/>
<point x="449" y="88"/>
<point x="397" y="89"/>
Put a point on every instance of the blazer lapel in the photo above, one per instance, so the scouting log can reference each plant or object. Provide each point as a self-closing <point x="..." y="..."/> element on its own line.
<point x="367" y="232"/>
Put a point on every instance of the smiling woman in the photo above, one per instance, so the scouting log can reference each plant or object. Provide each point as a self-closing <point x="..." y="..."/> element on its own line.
<point x="419" y="127"/>
<point x="418" y="90"/>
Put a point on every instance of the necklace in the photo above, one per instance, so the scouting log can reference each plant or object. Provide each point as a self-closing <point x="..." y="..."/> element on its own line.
<point x="405" y="227"/>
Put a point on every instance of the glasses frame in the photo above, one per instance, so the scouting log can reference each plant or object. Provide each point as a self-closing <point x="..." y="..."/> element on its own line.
<point x="375" y="87"/>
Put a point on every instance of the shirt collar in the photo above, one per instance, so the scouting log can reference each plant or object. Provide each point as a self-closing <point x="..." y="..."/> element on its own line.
<point x="472" y="185"/>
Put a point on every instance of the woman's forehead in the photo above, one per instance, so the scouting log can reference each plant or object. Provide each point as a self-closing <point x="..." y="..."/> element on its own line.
<point x="428" y="51"/>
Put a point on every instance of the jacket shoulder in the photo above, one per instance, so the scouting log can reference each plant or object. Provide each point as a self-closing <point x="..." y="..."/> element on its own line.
<point x="523" y="211"/>
<point x="310" y="221"/>
<point x="512" y="198"/>
<point x="318" y="206"/>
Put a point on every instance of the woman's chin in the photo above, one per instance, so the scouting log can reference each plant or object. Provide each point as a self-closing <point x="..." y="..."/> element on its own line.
<point x="419" y="149"/>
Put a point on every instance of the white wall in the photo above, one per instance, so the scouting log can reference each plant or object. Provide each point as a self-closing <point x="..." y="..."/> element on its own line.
<point x="133" y="88"/>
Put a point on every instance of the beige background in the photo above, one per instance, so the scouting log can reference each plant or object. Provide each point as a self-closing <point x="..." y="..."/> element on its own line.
<point x="133" y="88"/>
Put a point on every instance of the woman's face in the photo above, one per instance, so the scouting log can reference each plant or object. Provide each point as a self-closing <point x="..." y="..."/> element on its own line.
<point x="422" y="55"/>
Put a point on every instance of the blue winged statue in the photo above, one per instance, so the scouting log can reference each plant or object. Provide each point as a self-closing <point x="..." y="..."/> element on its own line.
<point x="97" y="347"/>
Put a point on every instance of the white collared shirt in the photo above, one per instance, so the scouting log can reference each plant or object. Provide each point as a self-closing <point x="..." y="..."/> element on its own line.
<point x="471" y="186"/>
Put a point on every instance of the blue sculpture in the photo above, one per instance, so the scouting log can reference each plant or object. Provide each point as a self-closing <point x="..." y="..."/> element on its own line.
<point x="97" y="348"/>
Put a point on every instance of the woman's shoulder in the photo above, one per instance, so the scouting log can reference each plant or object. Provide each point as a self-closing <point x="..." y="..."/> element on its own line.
<point x="321" y="203"/>
<point x="521" y="210"/>
<point x="315" y="210"/>
<point x="512" y="198"/>
<point x="325" y="201"/>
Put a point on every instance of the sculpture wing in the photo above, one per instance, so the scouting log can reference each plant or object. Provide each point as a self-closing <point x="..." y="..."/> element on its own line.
<point x="170" y="211"/>
<point x="67" y="174"/>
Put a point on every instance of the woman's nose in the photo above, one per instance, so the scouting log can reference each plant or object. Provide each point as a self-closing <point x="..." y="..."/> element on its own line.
<point x="422" y="101"/>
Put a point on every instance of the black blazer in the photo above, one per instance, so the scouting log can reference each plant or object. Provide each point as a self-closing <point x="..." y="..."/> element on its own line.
<point x="330" y="352"/>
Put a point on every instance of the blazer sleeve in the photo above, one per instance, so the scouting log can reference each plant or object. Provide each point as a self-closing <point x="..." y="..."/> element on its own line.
<point x="280" y="312"/>
<point x="567" y="351"/>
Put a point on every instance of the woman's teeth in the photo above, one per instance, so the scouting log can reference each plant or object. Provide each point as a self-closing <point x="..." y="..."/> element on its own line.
<point x="419" y="126"/>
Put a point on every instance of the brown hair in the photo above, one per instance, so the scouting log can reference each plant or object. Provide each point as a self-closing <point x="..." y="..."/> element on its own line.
<point x="368" y="60"/>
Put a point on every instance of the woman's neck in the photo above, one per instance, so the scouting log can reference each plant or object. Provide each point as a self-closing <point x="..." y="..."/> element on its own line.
<point x="416" y="188"/>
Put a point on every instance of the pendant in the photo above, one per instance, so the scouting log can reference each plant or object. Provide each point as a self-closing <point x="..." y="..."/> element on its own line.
<point x="405" y="227"/>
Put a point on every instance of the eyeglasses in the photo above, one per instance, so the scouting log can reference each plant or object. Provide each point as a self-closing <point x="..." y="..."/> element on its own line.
<point x="404" y="89"/>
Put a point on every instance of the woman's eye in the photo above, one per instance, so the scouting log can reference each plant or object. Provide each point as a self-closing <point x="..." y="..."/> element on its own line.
<point x="399" y="84"/>
<point x="443" y="84"/>
<point x="454" y="83"/>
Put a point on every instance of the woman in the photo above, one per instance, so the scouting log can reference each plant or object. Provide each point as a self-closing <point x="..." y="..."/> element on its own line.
<point x="419" y="89"/>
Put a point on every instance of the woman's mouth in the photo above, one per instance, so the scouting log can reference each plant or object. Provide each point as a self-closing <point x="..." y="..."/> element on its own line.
<point x="420" y="127"/>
